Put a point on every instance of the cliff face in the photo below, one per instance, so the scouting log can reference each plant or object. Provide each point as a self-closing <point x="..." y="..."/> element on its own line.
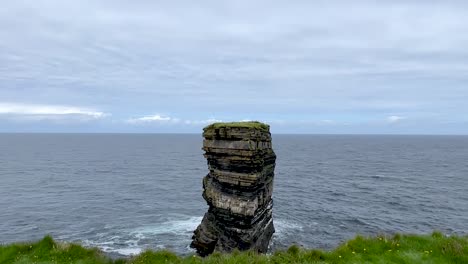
<point x="238" y="188"/>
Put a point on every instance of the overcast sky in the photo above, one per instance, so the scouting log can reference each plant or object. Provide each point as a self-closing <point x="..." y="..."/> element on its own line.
<point x="392" y="67"/>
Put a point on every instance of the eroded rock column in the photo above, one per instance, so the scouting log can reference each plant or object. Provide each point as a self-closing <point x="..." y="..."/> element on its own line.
<point x="238" y="188"/>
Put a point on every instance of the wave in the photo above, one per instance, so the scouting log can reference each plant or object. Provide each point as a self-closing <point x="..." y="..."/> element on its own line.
<point x="177" y="227"/>
<point x="128" y="251"/>
<point x="284" y="227"/>
<point x="155" y="236"/>
<point x="177" y="231"/>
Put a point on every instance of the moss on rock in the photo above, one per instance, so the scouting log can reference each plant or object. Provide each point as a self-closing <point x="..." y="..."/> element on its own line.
<point x="248" y="124"/>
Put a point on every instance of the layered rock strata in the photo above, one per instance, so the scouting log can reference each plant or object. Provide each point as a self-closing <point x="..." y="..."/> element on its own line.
<point x="238" y="188"/>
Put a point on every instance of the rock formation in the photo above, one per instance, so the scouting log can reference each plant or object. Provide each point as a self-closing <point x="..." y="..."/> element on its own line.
<point x="238" y="188"/>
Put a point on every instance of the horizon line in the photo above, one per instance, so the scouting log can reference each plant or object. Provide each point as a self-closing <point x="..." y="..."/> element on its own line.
<point x="194" y="133"/>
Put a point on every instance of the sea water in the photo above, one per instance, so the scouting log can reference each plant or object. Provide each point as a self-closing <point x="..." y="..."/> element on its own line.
<point x="125" y="193"/>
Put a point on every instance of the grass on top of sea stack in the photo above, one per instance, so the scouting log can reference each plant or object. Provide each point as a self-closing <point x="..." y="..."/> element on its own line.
<point x="434" y="248"/>
<point x="247" y="124"/>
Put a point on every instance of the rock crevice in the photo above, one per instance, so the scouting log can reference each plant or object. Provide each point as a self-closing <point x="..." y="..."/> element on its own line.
<point x="238" y="188"/>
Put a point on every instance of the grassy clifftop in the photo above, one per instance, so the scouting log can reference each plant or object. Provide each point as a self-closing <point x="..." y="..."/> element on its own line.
<point x="434" y="248"/>
<point x="248" y="124"/>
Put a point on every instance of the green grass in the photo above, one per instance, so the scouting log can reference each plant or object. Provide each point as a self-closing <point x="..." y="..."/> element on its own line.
<point x="249" y="124"/>
<point x="434" y="248"/>
<point x="49" y="251"/>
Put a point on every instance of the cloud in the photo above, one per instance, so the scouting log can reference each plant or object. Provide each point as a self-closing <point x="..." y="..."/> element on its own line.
<point x="162" y="119"/>
<point x="202" y="122"/>
<point x="318" y="60"/>
<point x="395" y="119"/>
<point x="153" y="119"/>
<point x="38" y="112"/>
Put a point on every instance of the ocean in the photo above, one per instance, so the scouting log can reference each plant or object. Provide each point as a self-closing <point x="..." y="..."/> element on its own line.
<point x="124" y="193"/>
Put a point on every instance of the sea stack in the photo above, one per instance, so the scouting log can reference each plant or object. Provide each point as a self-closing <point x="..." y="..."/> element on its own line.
<point x="238" y="188"/>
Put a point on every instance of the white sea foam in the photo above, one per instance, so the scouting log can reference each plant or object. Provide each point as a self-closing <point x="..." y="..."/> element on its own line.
<point x="106" y="249"/>
<point x="128" y="251"/>
<point x="178" y="227"/>
<point x="284" y="227"/>
<point x="107" y="246"/>
<point x="133" y="242"/>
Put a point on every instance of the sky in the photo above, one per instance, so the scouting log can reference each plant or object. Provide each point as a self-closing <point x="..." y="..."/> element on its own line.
<point x="319" y="67"/>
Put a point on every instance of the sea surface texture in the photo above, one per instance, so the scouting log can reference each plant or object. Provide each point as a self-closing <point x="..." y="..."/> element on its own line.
<point x="125" y="193"/>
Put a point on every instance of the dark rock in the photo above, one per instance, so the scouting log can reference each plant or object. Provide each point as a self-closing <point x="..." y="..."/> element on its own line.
<point x="238" y="189"/>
